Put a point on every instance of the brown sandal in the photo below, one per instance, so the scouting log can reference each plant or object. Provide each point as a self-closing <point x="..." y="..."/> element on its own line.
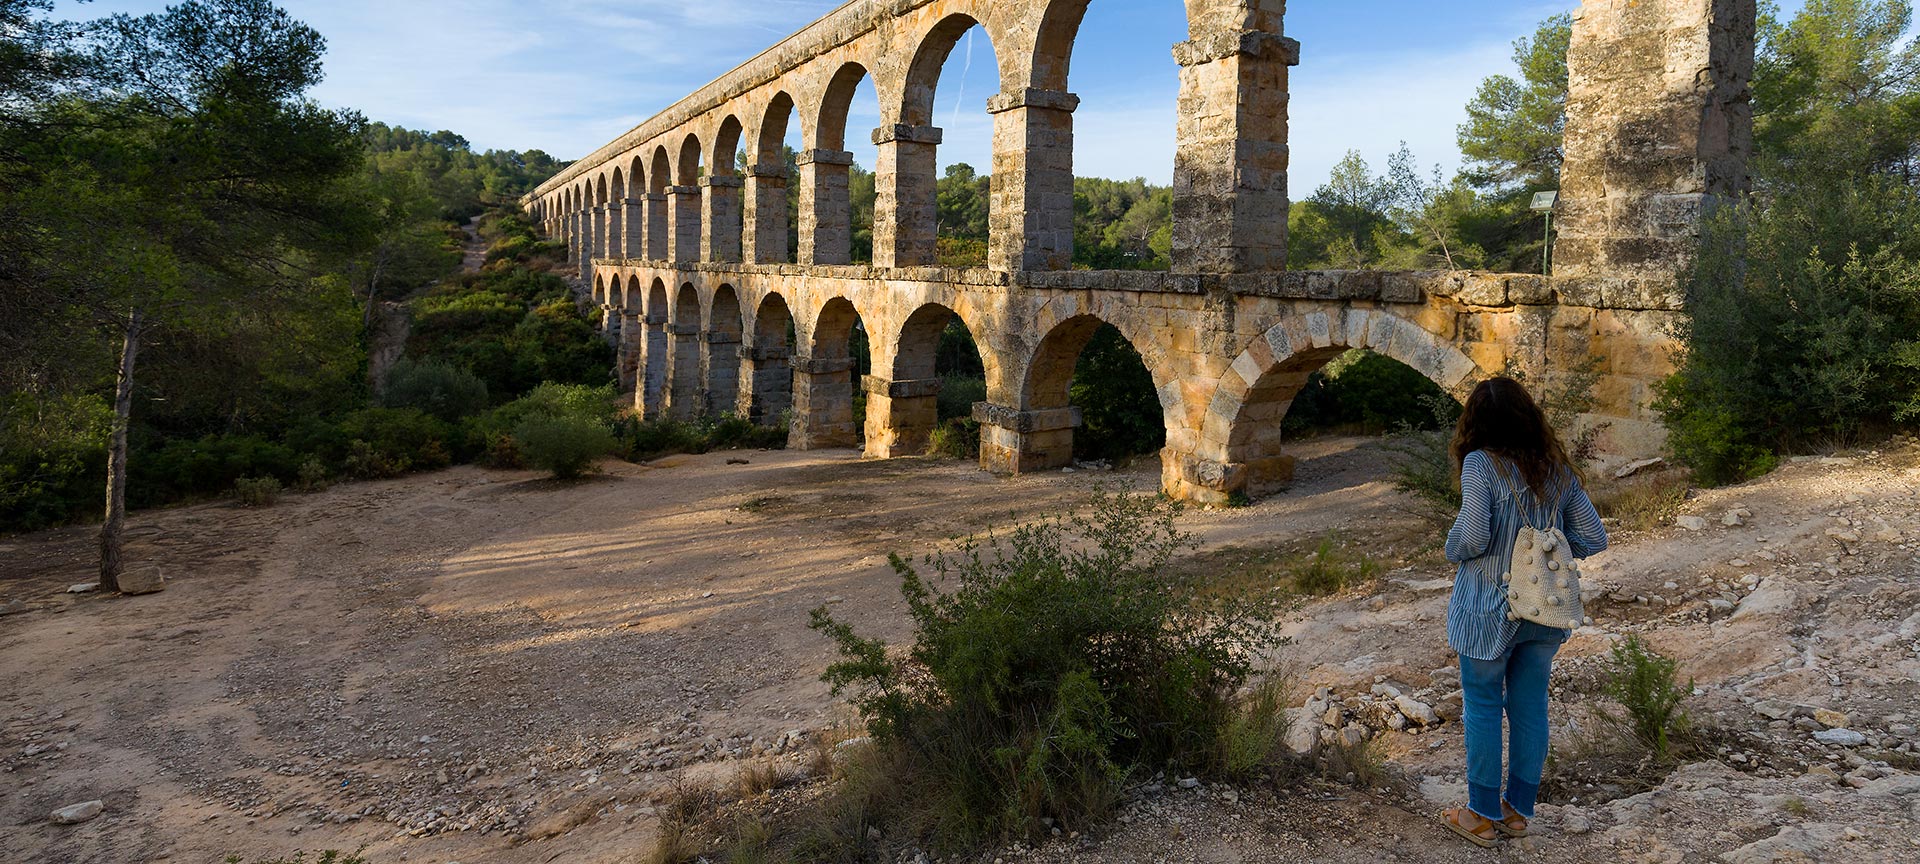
<point x="1511" y="823"/>
<point x="1484" y="836"/>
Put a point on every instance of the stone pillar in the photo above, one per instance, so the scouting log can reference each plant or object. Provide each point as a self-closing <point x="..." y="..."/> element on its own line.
<point x="1659" y="125"/>
<point x="683" y="207"/>
<point x="656" y="226"/>
<point x="1014" y="441"/>
<point x="905" y="213"/>
<point x="766" y="378"/>
<point x="766" y="219"/>
<point x="720" y="368"/>
<point x="1031" y="227"/>
<point x="651" y="394"/>
<point x="686" y="389"/>
<point x="610" y="323"/>
<point x="594" y="242"/>
<point x="826" y="224"/>
<point x="721" y="239"/>
<point x="901" y="416"/>
<point x="633" y="223"/>
<point x="1230" y="153"/>
<point x="822" y="404"/>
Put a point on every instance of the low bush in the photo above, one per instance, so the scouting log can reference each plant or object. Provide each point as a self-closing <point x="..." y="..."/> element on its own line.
<point x="208" y="466"/>
<point x="1646" y="686"/>
<point x="388" y="442"/>
<point x="439" y="389"/>
<point x="313" y="475"/>
<point x="1329" y="569"/>
<point x="1643" y="502"/>
<point x="1065" y="658"/>
<point x="641" y="440"/>
<point x="52" y="458"/>
<point x="256" y="491"/>
<point x="565" y="446"/>
<point x="1803" y="315"/>
<point x="1361" y="391"/>
<point x="958" y="438"/>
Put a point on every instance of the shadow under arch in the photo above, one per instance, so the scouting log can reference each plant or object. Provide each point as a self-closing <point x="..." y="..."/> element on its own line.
<point x="722" y="355"/>
<point x="686" y="391"/>
<point x="770" y="395"/>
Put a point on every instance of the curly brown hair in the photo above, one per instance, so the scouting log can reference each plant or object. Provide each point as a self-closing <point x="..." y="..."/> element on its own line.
<point x="1502" y="418"/>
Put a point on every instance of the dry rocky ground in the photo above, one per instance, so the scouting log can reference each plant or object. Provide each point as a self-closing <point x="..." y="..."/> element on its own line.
<point x="484" y="666"/>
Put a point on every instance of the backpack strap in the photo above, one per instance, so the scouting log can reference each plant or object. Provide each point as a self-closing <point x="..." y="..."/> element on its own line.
<point x="1523" y="495"/>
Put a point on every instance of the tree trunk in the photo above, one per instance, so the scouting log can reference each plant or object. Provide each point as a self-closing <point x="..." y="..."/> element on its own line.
<point x="116" y="522"/>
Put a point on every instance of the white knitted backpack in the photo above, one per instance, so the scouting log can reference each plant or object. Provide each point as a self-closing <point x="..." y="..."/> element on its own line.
<point x="1543" y="581"/>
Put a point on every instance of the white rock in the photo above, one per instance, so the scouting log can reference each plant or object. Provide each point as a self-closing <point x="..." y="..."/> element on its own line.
<point x="74" y="814"/>
<point x="1772" y="597"/>
<point x="1840" y="737"/>
<point x="1632" y="468"/>
<point x="1733" y="519"/>
<point x="1691" y="523"/>
<point x="83" y="588"/>
<point x="1303" y="728"/>
<point x="1416" y="710"/>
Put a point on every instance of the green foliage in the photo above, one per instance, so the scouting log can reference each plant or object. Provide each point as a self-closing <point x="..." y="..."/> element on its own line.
<point x="257" y="491"/>
<point x="1836" y="88"/>
<point x="1801" y="332"/>
<point x="189" y="468"/>
<point x="1512" y="137"/>
<point x="647" y="440"/>
<point x="1645" y="685"/>
<point x="1329" y="569"/>
<point x="1423" y="464"/>
<point x="1119" y="406"/>
<point x="566" y="446"/>
<point x="52" y="455"/>
<point x="438" y="389"/>
<point x="463" y="183"/>
<point x="1122" y="224"/>
<point x="1062" y="660"/>
<point x="957" y="395"/>
<point x="1366" y="392"/>
<point x="960" y="199"/>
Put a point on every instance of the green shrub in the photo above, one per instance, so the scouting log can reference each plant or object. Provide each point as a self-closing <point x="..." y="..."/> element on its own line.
<point x="313" y="475"/>
<point x="958" y="438"/>
<point x="1645" y="684"/>
<point x="439" y="389"/>
<point x="1422" y="464"/>
<point x="209" y="466"/>
<point x="1803" y="314"/>
<point x="641" y="440"/>
<point x="1064" y="658"/>
<point x="957" y="395"/>
<point x="1119" y="406"/>
<point x="565" y="446"/>
<point x="1365" y="392"/>
<point x="257" y="491"/>
<point x="388" y="442"/>
<point x="1328" y="570"/>
<point x="52" y="458"/>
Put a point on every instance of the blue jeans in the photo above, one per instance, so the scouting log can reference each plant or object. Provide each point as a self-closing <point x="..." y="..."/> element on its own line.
<point x="1514" y="685"/>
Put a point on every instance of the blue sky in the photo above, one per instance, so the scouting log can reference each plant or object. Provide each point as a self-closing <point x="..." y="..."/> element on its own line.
<point x="566" y="76"/>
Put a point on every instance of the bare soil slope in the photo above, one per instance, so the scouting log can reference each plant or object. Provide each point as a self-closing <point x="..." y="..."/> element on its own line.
<point x="487" y="666"/>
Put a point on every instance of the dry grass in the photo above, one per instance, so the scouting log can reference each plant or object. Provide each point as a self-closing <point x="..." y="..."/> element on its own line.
<point x="1642" y="502"/>
<point x="757" y="779"/>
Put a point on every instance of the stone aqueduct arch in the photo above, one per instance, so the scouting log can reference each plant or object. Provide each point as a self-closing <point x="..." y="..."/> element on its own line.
<point x="688" y="255"/>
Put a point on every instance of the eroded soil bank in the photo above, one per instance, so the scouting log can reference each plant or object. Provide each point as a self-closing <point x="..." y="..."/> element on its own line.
<point x="488" y="667"/>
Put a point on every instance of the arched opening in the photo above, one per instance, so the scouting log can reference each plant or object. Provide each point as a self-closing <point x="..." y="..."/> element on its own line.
<point x="686" y="396"/>
<point x="771" y="355"/>
<point x="938" y="374"/>
<point x="838" y="188"/>
<point x="634" y="220"/>
<point x="1123" y="154"/>
<point x="725" y="217"/>
<point x="617" y="215"/>
<point x="632" y="334"/>
<point x="723" y="353"/>
<point x="942" y="194"/>
<point x="1379" y="374"/>
<point x="659" y="180"/>
<point x="656" y="358"/>
<point x="773" y="183"/>
<point x="685" y="201"/>
<point x="1088" y="371"/>
<point x="830" y="405"/>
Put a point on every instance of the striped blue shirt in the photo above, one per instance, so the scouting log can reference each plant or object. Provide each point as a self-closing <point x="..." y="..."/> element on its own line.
<point x="1481" y="542"/>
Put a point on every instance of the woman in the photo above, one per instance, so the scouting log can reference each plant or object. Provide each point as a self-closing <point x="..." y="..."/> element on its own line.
<point x="1513" y="471"/>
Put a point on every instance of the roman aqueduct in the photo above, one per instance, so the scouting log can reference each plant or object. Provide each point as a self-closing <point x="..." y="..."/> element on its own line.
<point x="687" y="252"/>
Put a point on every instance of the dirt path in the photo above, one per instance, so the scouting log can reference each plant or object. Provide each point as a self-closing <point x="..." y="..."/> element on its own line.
<point x="486" y="666"/>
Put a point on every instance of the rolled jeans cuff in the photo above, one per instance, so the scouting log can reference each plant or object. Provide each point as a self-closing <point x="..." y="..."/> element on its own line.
<point x="1484" y="800"/>
<point x="1521" y="795"/>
